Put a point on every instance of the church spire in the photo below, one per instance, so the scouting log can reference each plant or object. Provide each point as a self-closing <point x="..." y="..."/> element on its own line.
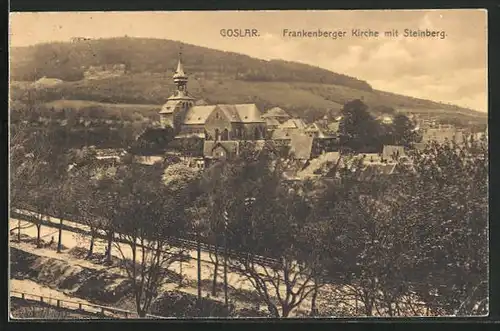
<point x="179" y="73"/>
<point x="180" y="77"/>
<point x="180" y="68"/>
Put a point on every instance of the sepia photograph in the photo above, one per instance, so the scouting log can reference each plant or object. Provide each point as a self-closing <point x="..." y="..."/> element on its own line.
<point x="248" y="164"/>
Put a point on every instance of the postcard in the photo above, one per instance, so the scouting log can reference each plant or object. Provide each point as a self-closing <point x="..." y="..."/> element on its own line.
<point x="248" y="164"/>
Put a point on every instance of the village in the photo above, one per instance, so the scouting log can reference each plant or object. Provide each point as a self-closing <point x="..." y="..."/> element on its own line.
<point x="223" y="128"/>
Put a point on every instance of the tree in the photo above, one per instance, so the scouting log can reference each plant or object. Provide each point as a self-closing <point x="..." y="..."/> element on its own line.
<point x="449" y="201"/>
<point x="403" y="131"/>
<point x="178" y="177"/>
<point x="210" y="208"/>
<point x="358" y="130"/>
<point x="83" y="182"/>
<point x="412" y="243"/>
<point x="269" y="227"/>
<point x="149" y="216"/>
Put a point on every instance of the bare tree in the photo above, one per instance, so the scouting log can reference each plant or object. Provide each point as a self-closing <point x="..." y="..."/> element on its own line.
<point x="148" y="215"/>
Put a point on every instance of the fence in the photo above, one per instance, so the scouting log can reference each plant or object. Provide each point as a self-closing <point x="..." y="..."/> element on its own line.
<point x="89" y="308"/>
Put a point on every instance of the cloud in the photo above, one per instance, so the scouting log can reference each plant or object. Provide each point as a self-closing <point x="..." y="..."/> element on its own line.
<point x="453" y="69"/>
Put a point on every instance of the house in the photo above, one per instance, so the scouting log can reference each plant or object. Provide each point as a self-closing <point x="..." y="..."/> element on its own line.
<point x="220" y="149"/>
<point x="319" y="130"/>
<point x="442" y="134"/>
<point x="316" y="165"/>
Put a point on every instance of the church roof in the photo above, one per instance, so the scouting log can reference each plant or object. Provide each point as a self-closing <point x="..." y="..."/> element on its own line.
<point x="276" y="112"/>
<point x="198" y="114"/>
<point x="245" y="113"/>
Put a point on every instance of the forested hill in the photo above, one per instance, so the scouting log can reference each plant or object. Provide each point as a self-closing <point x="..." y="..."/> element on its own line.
<point x="68" y="60"/>
<point x="138" y="71"/>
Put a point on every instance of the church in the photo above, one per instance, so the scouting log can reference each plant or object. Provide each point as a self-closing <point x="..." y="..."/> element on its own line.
<point x="221" y="125"/>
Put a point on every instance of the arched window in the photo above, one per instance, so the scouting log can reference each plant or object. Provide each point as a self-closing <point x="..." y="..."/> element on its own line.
<point x="256" y="134"/>
<point x="225" y="135"/>
<point x="216" y="134"/>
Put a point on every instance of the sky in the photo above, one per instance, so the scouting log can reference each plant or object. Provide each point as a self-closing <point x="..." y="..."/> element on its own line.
<point x="451" y="70"/>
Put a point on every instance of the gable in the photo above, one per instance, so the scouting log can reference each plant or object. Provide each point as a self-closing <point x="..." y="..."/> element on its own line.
<point x="214" y="149"/>
<point x="293" y="123"/>
<point x="220" y="114"/>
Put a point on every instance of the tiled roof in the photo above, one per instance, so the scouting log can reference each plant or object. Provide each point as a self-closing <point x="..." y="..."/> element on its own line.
<point x="198" y="114"/>
<point x="245" y="113"/>
<point x="276" y="112"/>
<point x="318" y="163"/>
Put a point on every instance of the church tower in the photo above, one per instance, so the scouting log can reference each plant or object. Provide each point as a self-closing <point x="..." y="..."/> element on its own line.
<point x="174" y="110"/>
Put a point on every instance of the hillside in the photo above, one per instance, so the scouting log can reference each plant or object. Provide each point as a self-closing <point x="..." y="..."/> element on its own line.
<point x="215" y="76"/>
<point x="68" y="61"/>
